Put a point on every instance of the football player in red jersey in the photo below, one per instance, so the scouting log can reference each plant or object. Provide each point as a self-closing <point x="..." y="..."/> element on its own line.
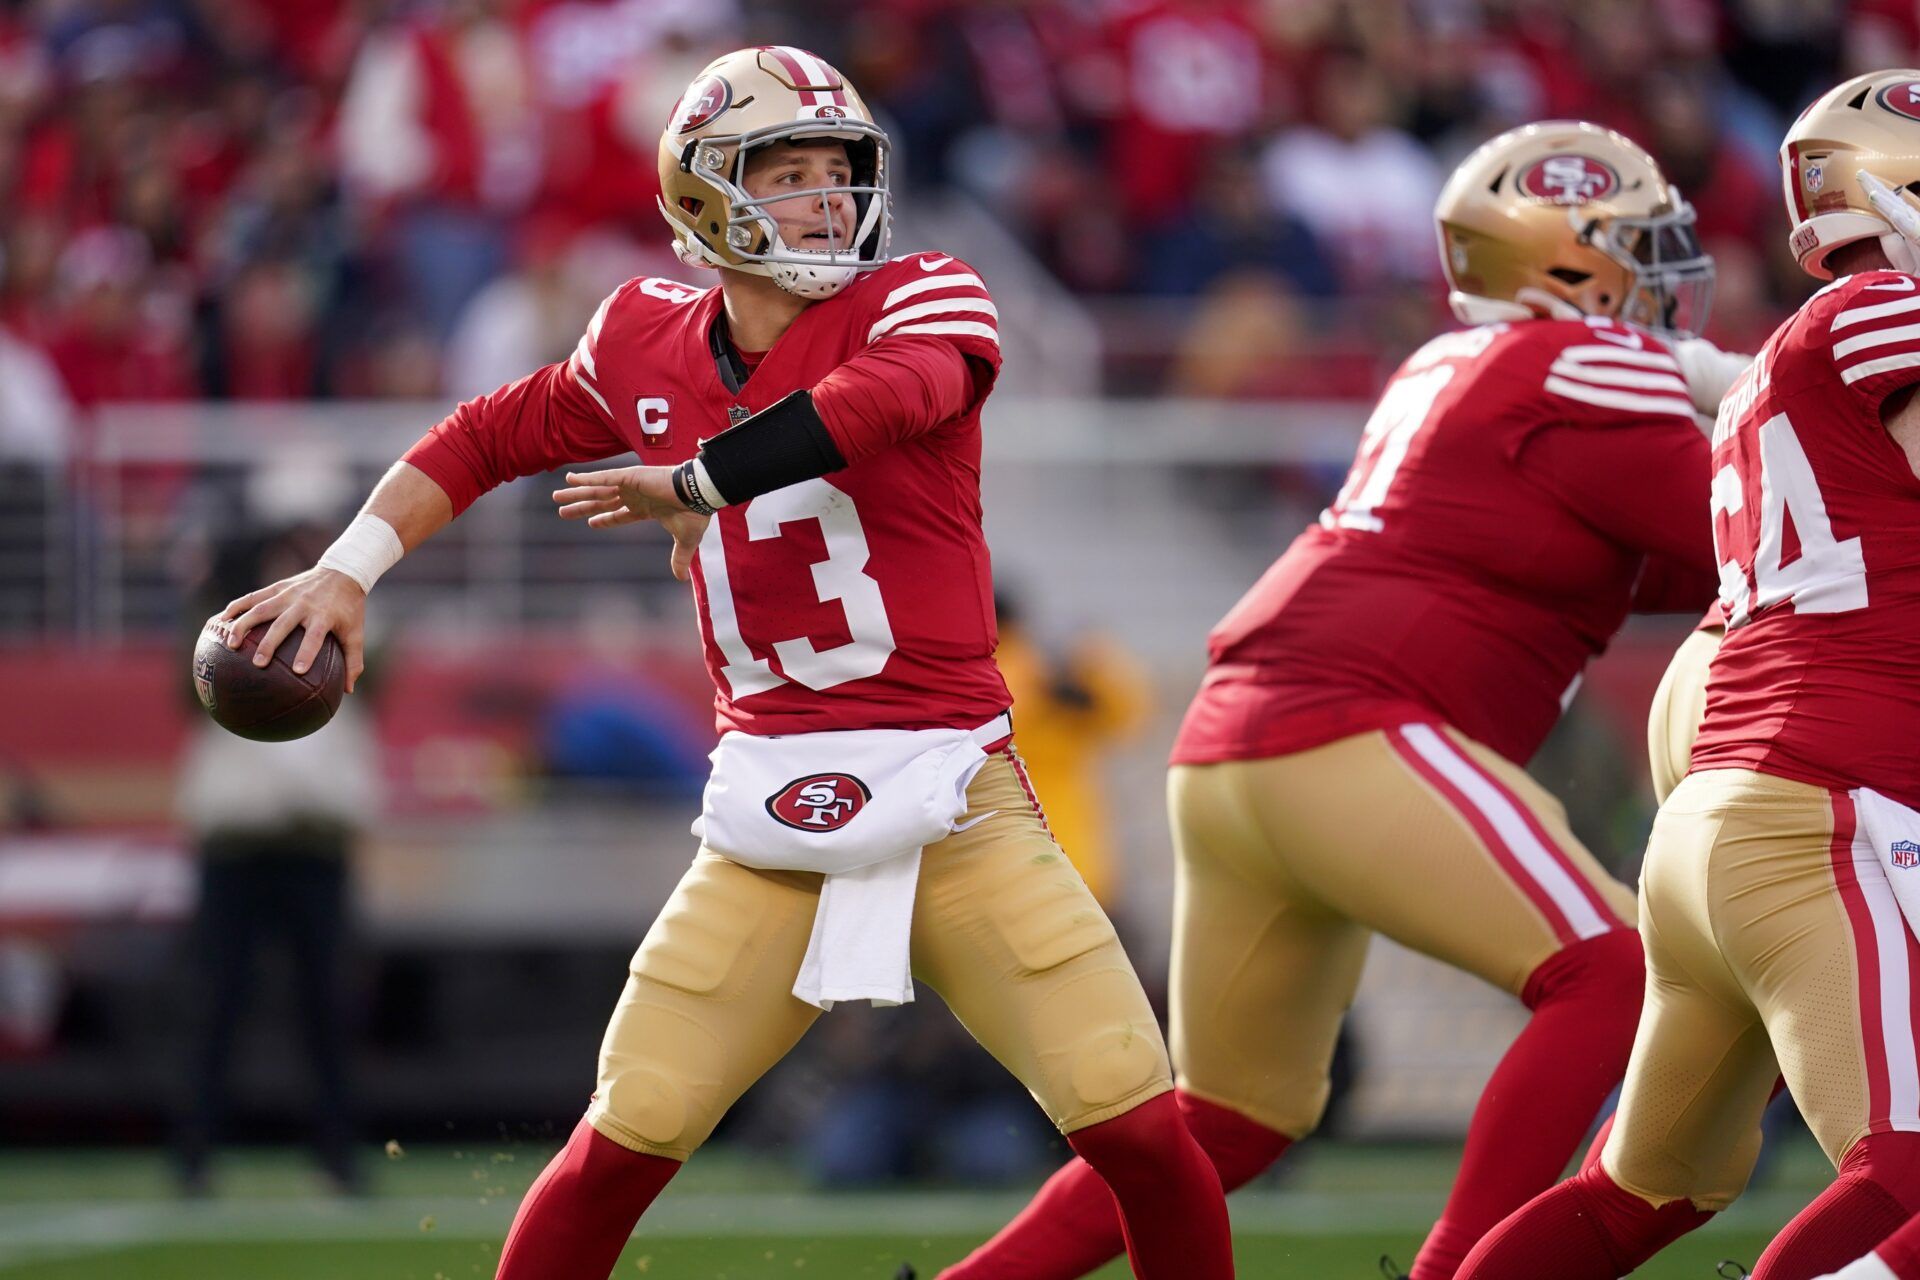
<point x="809" y="433"/>
<point x="1774" y="940"/>
<point x="1352" y="763"/>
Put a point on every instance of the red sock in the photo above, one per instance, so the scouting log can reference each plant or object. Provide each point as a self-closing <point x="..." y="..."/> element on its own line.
<point x="1172" y="1211"/>
<point x="1584" y="1229"/>
<point x="1901" y="1251"/>
<point x="1878" y="1189"/>
<point x="1545" y="1093"/>
<point x="578" y="1213"/>
<point x="1241" y="1148"/>
<point x="1072" y="1225"/>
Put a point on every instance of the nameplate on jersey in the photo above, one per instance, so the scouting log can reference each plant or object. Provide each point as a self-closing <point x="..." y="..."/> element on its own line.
<point x="656" y="419"/>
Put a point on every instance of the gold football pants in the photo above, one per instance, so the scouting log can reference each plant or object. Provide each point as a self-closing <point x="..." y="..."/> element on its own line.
<point x="1673" y="722"/>
<point x="1774" y="946"/>
<point x="1003" y="929"/>
<point x="1287" y="866"/>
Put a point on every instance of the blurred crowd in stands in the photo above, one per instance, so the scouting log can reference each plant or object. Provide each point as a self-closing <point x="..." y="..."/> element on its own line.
<point x="352" y="198"/>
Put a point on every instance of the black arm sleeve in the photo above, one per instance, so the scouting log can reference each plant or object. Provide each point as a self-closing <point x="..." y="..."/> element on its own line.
<point x="783" y="444"/>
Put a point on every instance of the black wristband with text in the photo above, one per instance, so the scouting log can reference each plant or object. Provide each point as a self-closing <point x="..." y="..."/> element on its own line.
<point x="686" y="487"/>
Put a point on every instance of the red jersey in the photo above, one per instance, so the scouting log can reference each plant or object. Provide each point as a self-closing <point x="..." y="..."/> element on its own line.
<point x="1816" y="522"/>
<point x="1519" y="489"/>
<point x="860" y="600"/>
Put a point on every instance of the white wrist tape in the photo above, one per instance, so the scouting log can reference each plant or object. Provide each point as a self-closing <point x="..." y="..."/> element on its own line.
<point x="708" y="489"/>
<point x="367" y="549"/>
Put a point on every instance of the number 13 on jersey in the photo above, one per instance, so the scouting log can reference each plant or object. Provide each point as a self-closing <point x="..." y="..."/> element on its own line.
<point x="841" y="578"/>
<point x="1771" y="532"/>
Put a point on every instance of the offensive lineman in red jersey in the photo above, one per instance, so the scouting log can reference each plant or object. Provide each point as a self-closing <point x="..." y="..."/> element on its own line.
<point x="809" y="433"/>
<point x="1774" y="941"/>
<point x="1352" y="763"/>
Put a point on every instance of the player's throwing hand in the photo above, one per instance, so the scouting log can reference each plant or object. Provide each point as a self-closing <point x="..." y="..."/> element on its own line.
<point x="624" y="495"/>
<point x="324" y="601"/>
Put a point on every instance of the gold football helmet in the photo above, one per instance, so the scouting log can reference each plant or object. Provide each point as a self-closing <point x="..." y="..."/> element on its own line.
<point x="1565" y="218"/>
<point x="751" y="98"/>
<point x="1849" y="165"/>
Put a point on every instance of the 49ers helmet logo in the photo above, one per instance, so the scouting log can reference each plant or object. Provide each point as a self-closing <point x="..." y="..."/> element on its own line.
<point x="819" y="801"/>
<point x="1902" y="98"/>
<point x="705" y="98"/>
<point x="1569" y="178"/>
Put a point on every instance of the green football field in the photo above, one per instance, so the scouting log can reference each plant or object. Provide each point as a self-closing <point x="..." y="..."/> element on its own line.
<point x="439" y="1214"/>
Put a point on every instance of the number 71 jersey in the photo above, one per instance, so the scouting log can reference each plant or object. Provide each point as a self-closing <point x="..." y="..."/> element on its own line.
<point x="1816" y="524"/>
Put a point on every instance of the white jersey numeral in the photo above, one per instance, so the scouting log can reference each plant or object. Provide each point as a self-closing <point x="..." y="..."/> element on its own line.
<point x="841" y="576"/>
<point x="1828" y="576"/>
<point x="1389" y="433"/>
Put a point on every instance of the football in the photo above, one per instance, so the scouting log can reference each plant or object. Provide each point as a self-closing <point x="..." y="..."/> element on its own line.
<point x="270" y="703"/>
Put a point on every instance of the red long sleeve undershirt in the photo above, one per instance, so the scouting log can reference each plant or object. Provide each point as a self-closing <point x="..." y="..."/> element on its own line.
<point x="1640" y="485"/>
<point x="901" y="387"/>
<point x="898" y="388"/>
<point x="538" y="423"/>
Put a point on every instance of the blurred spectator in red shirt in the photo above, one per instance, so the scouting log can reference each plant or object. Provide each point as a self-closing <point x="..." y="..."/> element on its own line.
<point x="120" y="332"/>
<point x="437" y="126"/>
<point x="1187" y="74"/>
<point x="606" y="74"/>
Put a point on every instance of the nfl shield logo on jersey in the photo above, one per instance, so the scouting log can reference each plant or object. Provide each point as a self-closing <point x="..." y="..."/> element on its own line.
<point x="819" y="801"/>
<point x="1906" y="854"/>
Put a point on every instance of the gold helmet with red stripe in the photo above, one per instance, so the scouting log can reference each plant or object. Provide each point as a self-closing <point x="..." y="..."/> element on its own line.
<point x="1565" y="218"/>
<point x="1850" y="164"/>
<point x="753" y="98"/>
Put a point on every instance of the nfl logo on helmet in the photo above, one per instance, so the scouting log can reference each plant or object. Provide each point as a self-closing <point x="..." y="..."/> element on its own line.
<point x="1906" y="854"/>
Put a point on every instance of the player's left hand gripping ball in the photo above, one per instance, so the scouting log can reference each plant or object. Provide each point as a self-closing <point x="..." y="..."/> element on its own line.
<point x="626" y="495"/>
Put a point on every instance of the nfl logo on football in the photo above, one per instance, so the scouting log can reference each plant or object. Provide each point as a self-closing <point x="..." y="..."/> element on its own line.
<point x="1906" y="854"/>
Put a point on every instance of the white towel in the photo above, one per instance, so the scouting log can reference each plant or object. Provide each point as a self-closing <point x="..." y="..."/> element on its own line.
<point x="859" y="948"/>
<point x="858" y="806"/>
<point x="1894" y="832"/>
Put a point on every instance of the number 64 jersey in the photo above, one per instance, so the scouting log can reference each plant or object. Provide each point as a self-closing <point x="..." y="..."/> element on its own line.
<point x="859" y="600"/>
<point x="1816" y="523"/>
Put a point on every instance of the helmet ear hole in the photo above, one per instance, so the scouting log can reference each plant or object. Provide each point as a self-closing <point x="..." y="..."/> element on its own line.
<point x="1568" y="276"/>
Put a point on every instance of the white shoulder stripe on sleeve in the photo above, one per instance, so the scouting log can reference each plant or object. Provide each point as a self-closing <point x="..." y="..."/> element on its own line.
<point x="592" y="337"/>
<point x="1614" y="376"/>
<point x="939" y="306"/>
<point x="958" y="280"/>
<point x="581" y="381"/>
<point x="986" y="331"/>
<point x="1875" y="338"/>
<point x="1879" y="310"/>
<point x="1603" y="353"/>
<point x="1627" y="401"/>
<point x="1867" y="368"/>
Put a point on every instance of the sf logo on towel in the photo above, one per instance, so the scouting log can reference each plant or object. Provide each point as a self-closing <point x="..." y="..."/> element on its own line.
<point x="819" y="801"/>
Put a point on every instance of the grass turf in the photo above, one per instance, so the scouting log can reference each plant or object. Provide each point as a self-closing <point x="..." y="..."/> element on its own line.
<point x="439" y="1214"/>
<point x="877" y="1257"/>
